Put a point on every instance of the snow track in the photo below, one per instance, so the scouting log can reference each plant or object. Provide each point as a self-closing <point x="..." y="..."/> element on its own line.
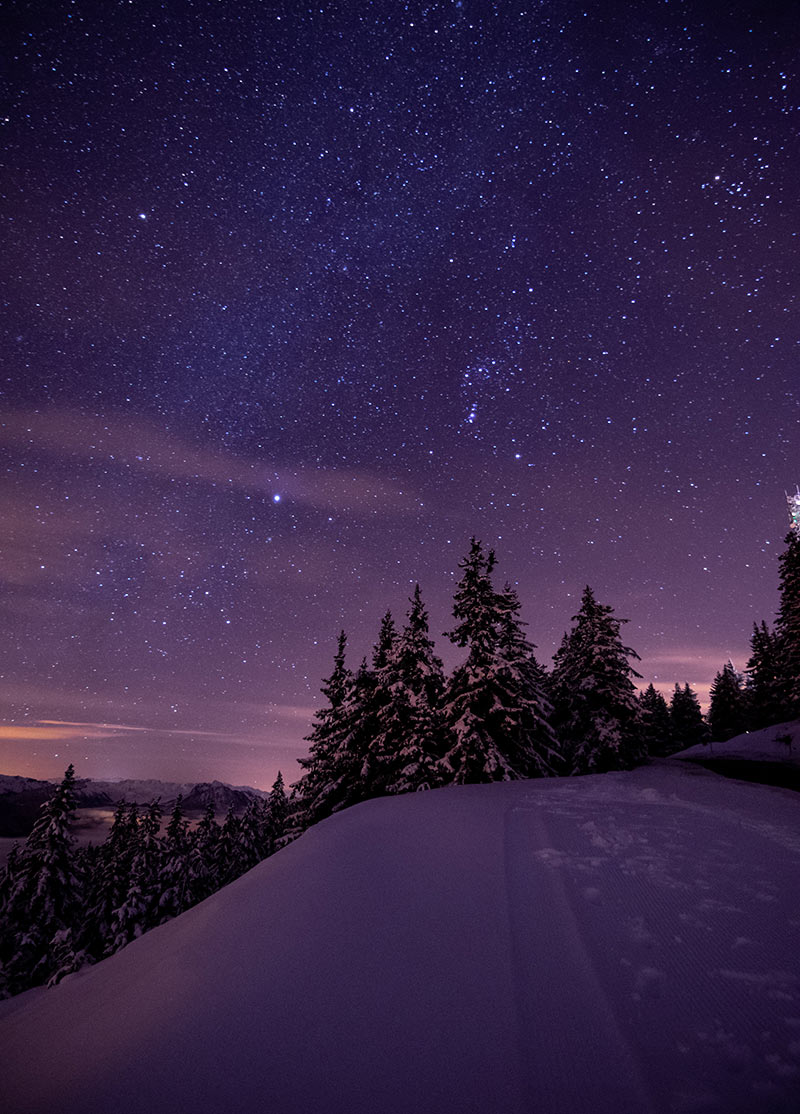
<point x="624" y="944"/>
<point x="674" y="948"/>
<point x="565" y="1016"/>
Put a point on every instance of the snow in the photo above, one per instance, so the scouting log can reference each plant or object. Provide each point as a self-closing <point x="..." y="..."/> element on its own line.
<point x="760" y="746"/>
<point x="614" y="943"/>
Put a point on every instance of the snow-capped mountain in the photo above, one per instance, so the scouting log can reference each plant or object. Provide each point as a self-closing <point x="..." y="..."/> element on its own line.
<point x="21" y="798"/>
<point x="10" y="783"/>
<point x="220" y="795"/>
<point x="613" y="943"/>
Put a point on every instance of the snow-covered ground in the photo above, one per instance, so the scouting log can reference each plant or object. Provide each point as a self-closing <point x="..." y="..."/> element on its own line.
<point x="620" y="943"/>
<point x="768" y="745"/>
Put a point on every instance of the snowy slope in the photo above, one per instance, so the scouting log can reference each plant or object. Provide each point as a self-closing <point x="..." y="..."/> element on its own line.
<point x="617" y="943"/>
<point x="765" y="745"/>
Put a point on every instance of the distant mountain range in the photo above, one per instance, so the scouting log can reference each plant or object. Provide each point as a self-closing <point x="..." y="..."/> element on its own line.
<point x="22" y="797"/>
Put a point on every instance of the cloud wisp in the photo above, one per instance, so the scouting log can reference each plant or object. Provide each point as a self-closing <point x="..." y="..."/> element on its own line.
<point x="138" y="446"/>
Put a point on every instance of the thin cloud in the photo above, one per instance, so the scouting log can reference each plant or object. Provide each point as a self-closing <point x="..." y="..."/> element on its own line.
<point x="20" y="733"/>
<point x="103" y="726"/>
<point x="140" y="446"/>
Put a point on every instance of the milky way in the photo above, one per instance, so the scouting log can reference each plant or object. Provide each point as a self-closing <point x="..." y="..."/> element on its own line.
<point x="296" y="301"/>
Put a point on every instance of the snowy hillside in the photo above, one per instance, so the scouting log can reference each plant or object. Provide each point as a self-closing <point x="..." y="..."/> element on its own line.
<point x="617" y="943"/>
<point x="768" y="745"/>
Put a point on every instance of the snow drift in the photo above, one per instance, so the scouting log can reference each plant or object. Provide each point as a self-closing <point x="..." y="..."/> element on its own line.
<point x="780" y="743"/>
<point x="616" y="943"/>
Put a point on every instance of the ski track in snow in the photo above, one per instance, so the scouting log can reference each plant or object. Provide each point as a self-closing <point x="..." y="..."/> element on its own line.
<point x="620" y="944"/>
<point x="652" y="920"/>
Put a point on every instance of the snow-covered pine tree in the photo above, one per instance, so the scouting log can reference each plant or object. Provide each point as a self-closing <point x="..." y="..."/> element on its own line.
<point x="763" y="685"/>
<point x="277" y="812"/>
<point x="787" y="626"/>
<point x="529" y="711"/>
<point x="229" y="865"/>
<point x="201" y="861"/>
<point x="407" y="744"/>
<point x="727" y="713"/>
<point x="495" y="719"/>
<point x="367" y="742"/>
<point x="253" y="839"/>
<point x="8" y="874"/>
<point x="109" y="882"/>
<point x="352" y="770"/>
<point x="655" y="725"/>
<point x="139" y="911"/>
<point x="596" y="703"/>
<point x="688" y="725"/>
<point x="42" y="903"/>
<point x="175" y="894"/>
<point x="310" y="797"/>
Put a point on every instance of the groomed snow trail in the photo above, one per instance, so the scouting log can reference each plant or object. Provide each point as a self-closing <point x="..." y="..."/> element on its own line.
<point x="675" y="948"/>
<point x="627" y="943"/>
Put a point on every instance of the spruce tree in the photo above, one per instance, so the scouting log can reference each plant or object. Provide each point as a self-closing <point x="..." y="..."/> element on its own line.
<point x="367" y="740"/>
<point x="495" y="720"/>
<point x="655" y="725"/>
<point x="226" y="867"/>
<point x="110" y="880"/>
<point x="312" y="797"/>
<point x="353" y="766"/>
<point x="42" y="902"/>
<point x="688" y="726"/>
<point x="140" y="909"/>
<point x="727" y="713"/>
<point x="201" y="861"/>
<point x="787" y="627"/>
<point x="596" y="703"/>
<point x="764" y="684"/>
<point x="528" y="710"/>
<point x="175" y="894"/>
<point x="277" y="812"/>
<point x="252" y="836"/>
<point x="408" y="729"/>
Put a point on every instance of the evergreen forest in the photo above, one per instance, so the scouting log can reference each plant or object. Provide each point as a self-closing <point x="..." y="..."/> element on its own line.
<point x="394" y="724"/>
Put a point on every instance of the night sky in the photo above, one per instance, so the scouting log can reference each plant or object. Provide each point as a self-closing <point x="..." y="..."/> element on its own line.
<point x="298" y="298"/>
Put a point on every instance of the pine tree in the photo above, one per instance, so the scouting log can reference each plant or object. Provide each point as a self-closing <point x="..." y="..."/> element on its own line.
<point x="495" y="717"/>
<point x="528" y="710"/>
<point x="110" y="880"/>
<point x="201" y="863"/>
<point x="787" y="627"/>
<point x="8" y="875"/>
<point x="367" y="740"/>
<point x="408" y="730"/>
<point x="175" y="894"/>
<point x="312" y="793"/>
<point x="277" y="812"/>
<point x="140" y="909"/>
<point x="252" y="836"/>
<point x="764" y="686"/>
<point x="42" y="903"/>
<point x="228" y="865"/>
<point x="688" y="726"/>
<point x="655" y="725"/>
<point x="727" y="713"/>
<point x="596" y="703"/>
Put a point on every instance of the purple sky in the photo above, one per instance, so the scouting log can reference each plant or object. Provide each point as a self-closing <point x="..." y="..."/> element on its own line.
<point x="296" y="302"/>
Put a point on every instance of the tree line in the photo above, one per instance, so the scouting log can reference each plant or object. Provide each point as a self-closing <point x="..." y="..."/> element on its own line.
<point x="63" y="906"/>
<point x="396" y="724"/>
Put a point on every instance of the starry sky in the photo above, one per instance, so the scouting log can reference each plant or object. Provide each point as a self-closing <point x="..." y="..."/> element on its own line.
<point x="297" y="298"/>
